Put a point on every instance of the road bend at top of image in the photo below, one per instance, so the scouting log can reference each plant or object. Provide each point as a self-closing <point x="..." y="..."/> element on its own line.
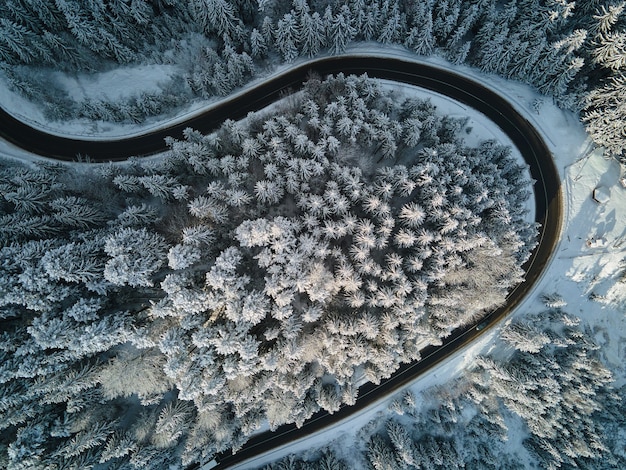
<point x="548" y="199"/>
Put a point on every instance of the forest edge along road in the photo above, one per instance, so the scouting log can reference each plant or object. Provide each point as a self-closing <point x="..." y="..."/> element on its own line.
<point x="548" y="198"/>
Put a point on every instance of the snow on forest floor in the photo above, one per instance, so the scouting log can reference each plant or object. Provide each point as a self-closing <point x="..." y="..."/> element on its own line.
<point x="119" y="83"/>
<point x="123" y="82"/>
<point x="585" y="268"/>
<point x="591" y="257"/>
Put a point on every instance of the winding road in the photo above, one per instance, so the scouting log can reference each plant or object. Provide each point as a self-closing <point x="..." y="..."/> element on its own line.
<point x="548" y="198"/>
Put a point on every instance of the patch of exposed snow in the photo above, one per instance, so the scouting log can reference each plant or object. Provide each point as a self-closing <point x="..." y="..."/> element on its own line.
<point x="122" y="82"/>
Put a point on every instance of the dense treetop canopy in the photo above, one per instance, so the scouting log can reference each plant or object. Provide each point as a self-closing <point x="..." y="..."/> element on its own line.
<point x="256" y="274"/>
<point x="261" y="273"/>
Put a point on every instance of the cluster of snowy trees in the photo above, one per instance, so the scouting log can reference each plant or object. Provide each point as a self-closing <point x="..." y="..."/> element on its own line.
<point x="552" y="391"/>
<point x="604" y="105"/>
<point x="163" y="310"/>
<point x="555" y="383"/>
<point x="573" y="51"/>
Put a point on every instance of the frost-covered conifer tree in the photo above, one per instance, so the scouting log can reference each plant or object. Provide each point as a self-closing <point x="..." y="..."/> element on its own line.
<point x="340" y="29"/>
<point x="287" y="33"/>
<point x="258" y="44"/>
<point x="312" y="32"/>
<point x="135" y="255"/>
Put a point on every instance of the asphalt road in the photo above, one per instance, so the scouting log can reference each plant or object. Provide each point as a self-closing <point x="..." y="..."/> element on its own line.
<point x="548" y="198"/>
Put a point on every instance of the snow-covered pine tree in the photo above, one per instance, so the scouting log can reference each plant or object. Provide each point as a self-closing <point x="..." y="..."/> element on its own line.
<point x="134" y="257"/>
<point x="287" y="34"/>
<point x="258" y="45"/>
<point x="312" y="33"/>
<point x="340" y="30"/>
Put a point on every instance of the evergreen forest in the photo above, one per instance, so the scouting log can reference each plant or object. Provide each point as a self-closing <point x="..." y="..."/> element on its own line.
<point x="552" y="385"/>
<point x="254" y="275"/>
<point x="158" y="311"/>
